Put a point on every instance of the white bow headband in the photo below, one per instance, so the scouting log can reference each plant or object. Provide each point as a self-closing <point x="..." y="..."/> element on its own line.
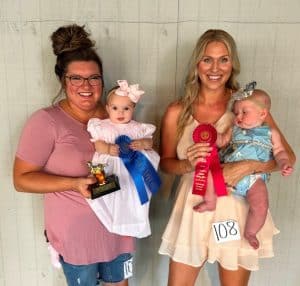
<point x="132" y="91"/>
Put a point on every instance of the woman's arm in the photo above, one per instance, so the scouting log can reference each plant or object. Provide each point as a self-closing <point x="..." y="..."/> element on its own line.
<point x="169" y="161"/>
<point x="30" y="178"/>
<point x="235" y="171"/>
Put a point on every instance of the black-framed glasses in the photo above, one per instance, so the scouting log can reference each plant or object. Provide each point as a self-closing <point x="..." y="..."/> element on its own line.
<point x="78" y="80"/>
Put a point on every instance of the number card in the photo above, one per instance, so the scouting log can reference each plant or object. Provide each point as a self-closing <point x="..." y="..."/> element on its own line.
<point x="226" y="231"/>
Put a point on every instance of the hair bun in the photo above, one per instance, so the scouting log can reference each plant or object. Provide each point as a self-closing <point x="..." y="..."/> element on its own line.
<point x="70" y="38"/>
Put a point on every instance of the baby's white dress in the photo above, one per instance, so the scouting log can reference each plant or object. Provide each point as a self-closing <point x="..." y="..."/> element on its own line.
<point x="121" y="212"/>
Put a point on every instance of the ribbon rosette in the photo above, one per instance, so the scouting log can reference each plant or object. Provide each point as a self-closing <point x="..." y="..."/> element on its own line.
<point x="140" y="169"/>
<point x="132" y="91"/>
<point x="207" y="133"/>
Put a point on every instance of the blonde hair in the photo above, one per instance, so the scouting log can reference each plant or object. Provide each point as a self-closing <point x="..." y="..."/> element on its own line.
<point x="110" y="93"/>
<point x="192" y="81"/>
<point x="260" y="98"/>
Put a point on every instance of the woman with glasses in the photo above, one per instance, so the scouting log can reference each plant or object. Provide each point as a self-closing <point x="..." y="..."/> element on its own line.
<point x="52" y="158"/>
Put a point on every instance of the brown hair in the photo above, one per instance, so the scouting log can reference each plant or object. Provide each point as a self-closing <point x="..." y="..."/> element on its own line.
<point x="192" y="81"/>
<point x="72" y="43"/>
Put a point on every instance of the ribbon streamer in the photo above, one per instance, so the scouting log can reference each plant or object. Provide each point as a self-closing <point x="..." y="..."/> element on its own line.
<point x="139" y="168"/>
<point x="207" y="133"/>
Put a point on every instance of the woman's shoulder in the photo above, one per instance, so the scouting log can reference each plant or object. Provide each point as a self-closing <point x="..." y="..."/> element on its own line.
<point x="46" y="113"/>
<point x="174" y="108"/>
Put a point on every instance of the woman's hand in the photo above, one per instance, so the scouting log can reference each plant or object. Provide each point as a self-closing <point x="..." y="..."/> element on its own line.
<point x="198" y="152"/>
<point x="141" y="144"/>
<point x="106" y="148"/>
<point x="235" y="171"/>
<point x="81" y="186"/>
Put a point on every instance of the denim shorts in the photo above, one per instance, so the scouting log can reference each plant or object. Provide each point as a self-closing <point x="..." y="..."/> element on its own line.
<point x="114" y="271"/>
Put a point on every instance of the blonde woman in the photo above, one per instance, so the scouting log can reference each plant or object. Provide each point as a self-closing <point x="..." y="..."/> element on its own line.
<point x="191" y="238"/>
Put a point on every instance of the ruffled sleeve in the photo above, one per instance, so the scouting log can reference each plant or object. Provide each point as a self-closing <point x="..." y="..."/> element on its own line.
<point x="96" y="127"/>
<point x="147" y="130"/>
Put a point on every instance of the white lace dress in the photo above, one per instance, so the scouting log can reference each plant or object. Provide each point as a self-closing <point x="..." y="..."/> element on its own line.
<point x="121" y="212"/>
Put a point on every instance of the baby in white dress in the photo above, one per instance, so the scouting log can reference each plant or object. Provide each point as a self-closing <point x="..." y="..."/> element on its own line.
<point x="125" y="212"/>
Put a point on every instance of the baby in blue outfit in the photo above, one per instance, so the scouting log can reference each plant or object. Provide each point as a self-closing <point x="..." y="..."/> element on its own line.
<point x="252" y="139"/>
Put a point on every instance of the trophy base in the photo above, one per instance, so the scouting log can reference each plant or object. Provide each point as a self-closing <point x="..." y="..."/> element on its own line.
<point x="111" y="185"/>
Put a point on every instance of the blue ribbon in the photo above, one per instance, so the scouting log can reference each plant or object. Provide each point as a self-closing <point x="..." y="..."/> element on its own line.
<point x="139" y="168"/>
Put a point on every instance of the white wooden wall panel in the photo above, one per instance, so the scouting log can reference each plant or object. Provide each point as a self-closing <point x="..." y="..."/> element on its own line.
<point x="148" y="42"/>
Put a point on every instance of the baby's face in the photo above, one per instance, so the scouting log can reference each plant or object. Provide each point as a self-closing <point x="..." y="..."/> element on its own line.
<point x="248" y="114"/>
<point x="120" y="109"/>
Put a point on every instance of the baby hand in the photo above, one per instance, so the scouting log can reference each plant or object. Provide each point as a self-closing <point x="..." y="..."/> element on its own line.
<point x="141" y="144"/>
<point x="113" y="150"/>
<point x="106" y="148"/>
<point x="286" y="170"/>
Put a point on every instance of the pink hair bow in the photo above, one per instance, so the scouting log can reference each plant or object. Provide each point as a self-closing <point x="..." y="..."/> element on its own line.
<point x="132" y="91"/>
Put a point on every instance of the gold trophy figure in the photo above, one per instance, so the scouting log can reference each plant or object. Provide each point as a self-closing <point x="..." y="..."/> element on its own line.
<point x="105" y="184"/>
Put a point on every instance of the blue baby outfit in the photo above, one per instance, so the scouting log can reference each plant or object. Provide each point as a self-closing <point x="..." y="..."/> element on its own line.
<point x="249" y="144"/>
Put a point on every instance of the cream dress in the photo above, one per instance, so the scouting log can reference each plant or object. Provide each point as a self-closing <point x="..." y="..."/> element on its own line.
<point x="189" y="238"/>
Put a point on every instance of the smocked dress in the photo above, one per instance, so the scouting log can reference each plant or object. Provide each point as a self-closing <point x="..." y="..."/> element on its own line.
<point x="249" y="144"/>
<point x="121" y="212"/>
<point x="189" y="237"/>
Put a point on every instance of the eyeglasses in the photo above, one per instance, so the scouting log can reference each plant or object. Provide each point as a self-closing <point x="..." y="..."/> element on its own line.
<point x="78" y="80"/>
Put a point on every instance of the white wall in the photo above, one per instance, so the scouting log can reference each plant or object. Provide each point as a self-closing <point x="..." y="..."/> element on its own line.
<point x="148" y="42"/>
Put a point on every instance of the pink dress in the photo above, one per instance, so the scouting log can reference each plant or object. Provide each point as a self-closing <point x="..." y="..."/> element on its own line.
<point x="121" y="211"/>
<point x="61" y="146"/>
<point x="189" y="237"/>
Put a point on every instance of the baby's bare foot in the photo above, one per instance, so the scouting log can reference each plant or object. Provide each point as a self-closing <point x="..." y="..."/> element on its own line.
<point x="205" y="206"/>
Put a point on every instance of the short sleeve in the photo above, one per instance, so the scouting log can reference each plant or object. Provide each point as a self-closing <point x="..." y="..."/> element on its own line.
<point x="147" y="130"/>
<point x="37" y="139"/>
<point x="95" y="127"/>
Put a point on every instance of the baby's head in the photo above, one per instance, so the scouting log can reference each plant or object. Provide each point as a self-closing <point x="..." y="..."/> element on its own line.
<point x="121" y="101"/>
<point x="251" y="111"/>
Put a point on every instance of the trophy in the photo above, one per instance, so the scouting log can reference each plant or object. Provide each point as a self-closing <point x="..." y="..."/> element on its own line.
<point x="105" y="184"/>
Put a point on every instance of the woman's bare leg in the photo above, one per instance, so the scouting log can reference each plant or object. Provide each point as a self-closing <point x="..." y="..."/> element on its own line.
<point x="238" y="277"/>
<point x="181" y="274"/>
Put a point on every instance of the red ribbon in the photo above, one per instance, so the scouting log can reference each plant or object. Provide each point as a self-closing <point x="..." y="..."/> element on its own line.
<point x="207" y="133"/>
